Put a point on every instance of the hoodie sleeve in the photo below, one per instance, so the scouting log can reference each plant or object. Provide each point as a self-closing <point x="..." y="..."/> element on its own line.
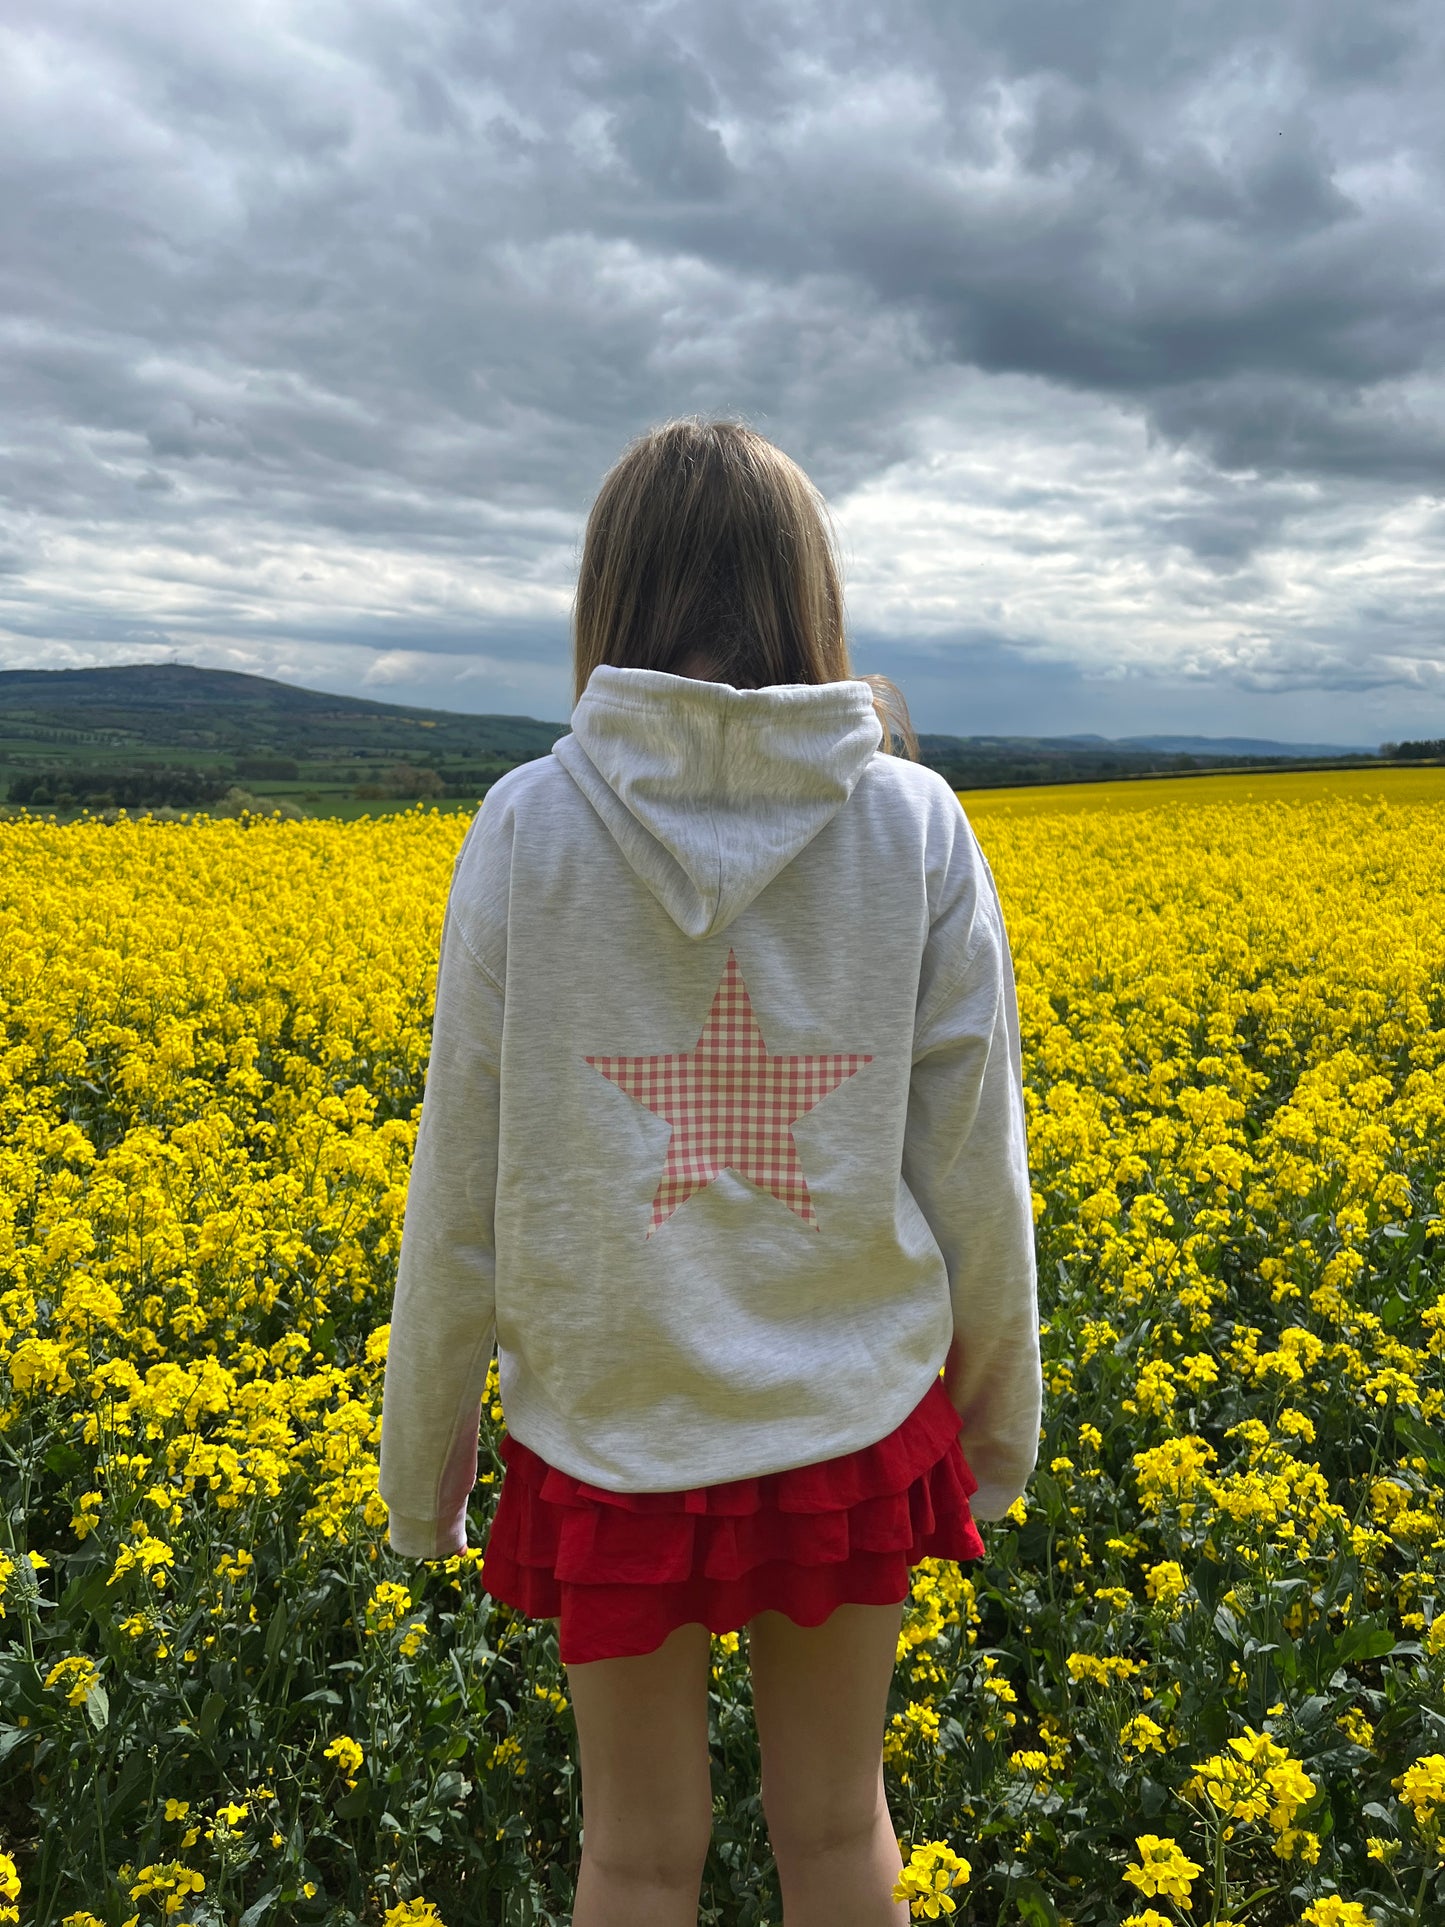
<point x="443" y="1319"/>
<point x="966" y="1162"/>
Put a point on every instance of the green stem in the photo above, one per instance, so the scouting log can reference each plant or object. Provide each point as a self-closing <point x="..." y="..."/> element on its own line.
<point x="1416" y="1913"/>
<point x="102" y="1858"/>
<point x="23" y="1466"/>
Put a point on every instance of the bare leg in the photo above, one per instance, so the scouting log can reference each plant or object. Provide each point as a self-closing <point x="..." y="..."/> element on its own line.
<point x="820" y="1697"/>
<point x="646" y="1784"/>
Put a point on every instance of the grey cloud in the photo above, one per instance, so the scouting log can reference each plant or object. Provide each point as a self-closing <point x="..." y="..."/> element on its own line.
<point x="410" y="281"/>
<point x="1283" y="426"/>
<point x="181" y="430"/>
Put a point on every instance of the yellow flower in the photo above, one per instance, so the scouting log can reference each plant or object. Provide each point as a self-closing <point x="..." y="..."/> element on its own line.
<point x="1143" y="1734"/>
<point x="508" y="1753"/>
<point x="75" y="1676"/>
<point x="1422" y="1787"/>
<point x="347" y="1754"/>
<point x="1334" y="1912"/>
<point x="931" y="1871"/>
<point x="1162" y="1868"/>
<point x="1234" y="1082"/>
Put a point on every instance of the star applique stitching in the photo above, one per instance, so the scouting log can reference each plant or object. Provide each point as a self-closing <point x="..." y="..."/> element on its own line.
<point x="730" y="1104"/>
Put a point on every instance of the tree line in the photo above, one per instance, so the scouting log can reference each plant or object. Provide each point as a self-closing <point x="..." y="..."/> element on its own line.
<point x="69" y="789"/>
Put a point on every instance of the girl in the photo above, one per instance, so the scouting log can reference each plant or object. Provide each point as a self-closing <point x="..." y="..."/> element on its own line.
<point x="723" y="1146"/>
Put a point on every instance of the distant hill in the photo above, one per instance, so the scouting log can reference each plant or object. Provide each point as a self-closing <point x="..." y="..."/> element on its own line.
<point x="173" y="702"/>
<point x="168" y="732"/>
<point x="991" y="762"/>
<point x="1225" y="746"/>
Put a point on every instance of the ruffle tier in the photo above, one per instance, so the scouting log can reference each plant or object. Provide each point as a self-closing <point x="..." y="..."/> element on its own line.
<point x="621" y="1570"/>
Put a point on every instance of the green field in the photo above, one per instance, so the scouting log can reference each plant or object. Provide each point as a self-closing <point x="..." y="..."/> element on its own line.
<point x="173" y="739"/>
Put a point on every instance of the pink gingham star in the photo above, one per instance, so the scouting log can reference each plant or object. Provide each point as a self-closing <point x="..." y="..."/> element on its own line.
<point x="731" y="1106"/>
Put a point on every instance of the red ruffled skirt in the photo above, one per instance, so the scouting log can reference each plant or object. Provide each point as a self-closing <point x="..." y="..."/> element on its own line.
<point x="621" y="1570"/>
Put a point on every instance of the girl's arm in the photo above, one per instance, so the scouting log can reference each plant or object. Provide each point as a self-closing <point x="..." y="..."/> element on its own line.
<point x="966" y="1162"/>
<point x="443" y="1320"/>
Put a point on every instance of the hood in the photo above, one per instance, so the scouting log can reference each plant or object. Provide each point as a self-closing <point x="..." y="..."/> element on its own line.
<point x="709" y="791"/>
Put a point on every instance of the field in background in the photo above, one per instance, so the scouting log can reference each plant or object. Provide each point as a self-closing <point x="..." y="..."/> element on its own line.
<point x="175" y="737"/>
<point x="1200" y="1673"/>
<point x="1187" y="792"/>
<point x="339" y="804"/>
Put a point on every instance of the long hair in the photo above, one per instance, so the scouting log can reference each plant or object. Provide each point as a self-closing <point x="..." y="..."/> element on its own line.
<point x="707" y="541"/>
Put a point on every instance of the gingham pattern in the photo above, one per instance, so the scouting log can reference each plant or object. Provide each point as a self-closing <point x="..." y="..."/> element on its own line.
<point x="730" y="1104"/>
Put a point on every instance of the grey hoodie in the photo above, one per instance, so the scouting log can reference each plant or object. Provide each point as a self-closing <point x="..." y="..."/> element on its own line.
<point x="723" y="1139"/>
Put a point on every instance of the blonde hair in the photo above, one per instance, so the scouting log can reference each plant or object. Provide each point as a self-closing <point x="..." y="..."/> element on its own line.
<point x="706" y="540"/>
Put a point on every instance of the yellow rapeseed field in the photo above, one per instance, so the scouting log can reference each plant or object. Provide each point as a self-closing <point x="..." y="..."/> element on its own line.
<point x="1201" y="1674"/>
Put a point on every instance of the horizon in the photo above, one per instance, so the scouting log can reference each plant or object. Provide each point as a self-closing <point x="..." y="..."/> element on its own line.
<point x="562" y="722"/>
<point x="1108" y="350"/>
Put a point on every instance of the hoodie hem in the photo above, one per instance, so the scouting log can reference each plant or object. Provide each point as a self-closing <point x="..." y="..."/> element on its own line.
<point x="526" y="1424"/>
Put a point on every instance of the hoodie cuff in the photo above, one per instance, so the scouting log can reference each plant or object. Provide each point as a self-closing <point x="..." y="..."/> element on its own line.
<point x="993" y="1498"/>
<point x="424" y="1538"/>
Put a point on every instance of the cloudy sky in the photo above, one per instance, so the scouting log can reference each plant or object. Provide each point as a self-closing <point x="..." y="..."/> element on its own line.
<point x="1111" y="331"/>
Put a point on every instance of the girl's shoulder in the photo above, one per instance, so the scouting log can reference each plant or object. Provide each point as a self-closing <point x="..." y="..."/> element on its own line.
<point x="894" y="784"/>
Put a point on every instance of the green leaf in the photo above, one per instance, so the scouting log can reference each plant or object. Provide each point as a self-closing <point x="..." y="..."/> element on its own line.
<point x="1207" y="1580"/>
<point x="1213" y="1720"/>
<point x="1260" y="1893"/>
<point x="97" y="1705"/>
<point x="1034" y="1905"/>
<point x="1048" y="1490"/>
<point x="258" y="1909"/>
<point x="1286" y="1588"/>
<point x="277" y="1630"/>
<point x="1363" y="1642"/>
<point x="212" y="1708"/>
<point x="132" y="1785"/>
